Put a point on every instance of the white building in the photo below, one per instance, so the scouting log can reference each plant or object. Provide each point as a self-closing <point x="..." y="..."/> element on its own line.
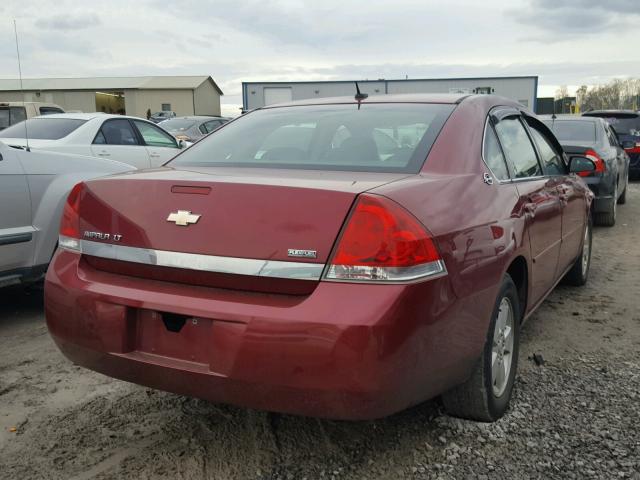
<point x="185" y="95"/>
<point x="259" y="94"/>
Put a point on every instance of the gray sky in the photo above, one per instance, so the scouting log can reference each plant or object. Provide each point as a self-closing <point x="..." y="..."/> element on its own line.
<point x="568" y="42"/>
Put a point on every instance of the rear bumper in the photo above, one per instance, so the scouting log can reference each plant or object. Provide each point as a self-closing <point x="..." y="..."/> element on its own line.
<point x="602" y="188"/>
<point x="348" y="351"/>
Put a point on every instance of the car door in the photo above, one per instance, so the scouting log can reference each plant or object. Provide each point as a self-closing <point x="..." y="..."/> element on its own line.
<point x="118" y="140"/>
<point x="160" y="145"/>
<point x="539" y="200"/>
<point x="16" y="231"/>
<point x="571" y="192"/>
<point x="621" y="158"/>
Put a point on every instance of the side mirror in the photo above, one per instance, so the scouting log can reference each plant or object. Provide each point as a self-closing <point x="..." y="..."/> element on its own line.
<point x="182" y="144"/>
<point x="628" y="144"/>
<point x="581" y="165"/>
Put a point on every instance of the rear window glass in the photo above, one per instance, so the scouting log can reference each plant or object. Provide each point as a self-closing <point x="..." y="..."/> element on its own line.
<point x="627" y="125"/>
<point x="369" y="137"/>
<point x="42" y="128"/>
<point x="584" y="131"/>
<point x="178" y="124"/>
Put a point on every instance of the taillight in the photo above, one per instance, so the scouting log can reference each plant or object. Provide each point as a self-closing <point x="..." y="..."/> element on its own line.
<point x="599" y="162"/>
<point x="70" y="223"/>
<point x="382" y="241"/>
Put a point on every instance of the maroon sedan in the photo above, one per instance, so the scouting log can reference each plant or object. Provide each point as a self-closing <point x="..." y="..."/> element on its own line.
<point x="342" y="258"/>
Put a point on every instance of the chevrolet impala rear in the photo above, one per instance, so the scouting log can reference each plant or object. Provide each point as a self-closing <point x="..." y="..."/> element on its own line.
<point x="309" y="259"/>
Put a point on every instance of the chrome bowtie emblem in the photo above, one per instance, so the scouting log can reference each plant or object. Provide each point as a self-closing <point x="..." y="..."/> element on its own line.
<point x="183" y="218"/>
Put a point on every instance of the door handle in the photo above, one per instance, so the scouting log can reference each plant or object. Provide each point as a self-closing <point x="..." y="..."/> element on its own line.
<point x="154" y="155"/>
<point x="104" y="154"/>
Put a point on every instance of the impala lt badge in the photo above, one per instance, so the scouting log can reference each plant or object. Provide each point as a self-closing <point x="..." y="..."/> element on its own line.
<point x="102" y="236"/>
<point x="183" y="218"/>
<point x="294" y="252"/>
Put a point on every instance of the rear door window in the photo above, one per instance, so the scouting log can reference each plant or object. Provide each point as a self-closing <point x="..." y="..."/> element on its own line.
<point x="209" y="127"/>
<point x="493" y="156"/>
<point x="154" y="136"/>
<point x="518" y="147"/>
<point x="116" y="132"/>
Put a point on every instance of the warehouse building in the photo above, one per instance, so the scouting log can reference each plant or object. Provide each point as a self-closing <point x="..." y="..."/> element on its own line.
<point x="185" y="95"/>
<point x="259" y="94"/>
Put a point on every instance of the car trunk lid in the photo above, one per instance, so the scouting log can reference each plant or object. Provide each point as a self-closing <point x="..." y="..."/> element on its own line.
<point x="275" y="216"/>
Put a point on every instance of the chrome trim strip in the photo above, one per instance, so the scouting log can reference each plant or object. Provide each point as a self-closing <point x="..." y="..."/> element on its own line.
<point x="206" y="263"/>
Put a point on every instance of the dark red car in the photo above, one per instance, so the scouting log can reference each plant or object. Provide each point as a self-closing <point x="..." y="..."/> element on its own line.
<point x="345" y="258"/>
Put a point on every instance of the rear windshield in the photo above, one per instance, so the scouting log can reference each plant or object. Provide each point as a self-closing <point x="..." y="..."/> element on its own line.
<point x="578" y="130"/>
<point x="178" y="124"/>
<point x="370" y="137"/>
<point x="625" y="125"/>
<point x="42" y="128"/>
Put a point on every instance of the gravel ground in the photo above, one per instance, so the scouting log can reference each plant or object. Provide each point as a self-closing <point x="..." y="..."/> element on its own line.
<point x="575" y="416"/>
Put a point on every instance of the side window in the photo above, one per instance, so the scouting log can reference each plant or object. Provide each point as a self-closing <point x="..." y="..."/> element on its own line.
<point x="518" y="147"/>
<point x="50" y="110"/>
<point x="613" y="139"/>
<point x="493" y="156"/>
<point x="210" y="126"/>
<point x="116" y="132"/>
<point x="551" y="160"/>
<point x="153" y="136"/>
<point x="18" y="114"/>
<point x="100" y="140"/>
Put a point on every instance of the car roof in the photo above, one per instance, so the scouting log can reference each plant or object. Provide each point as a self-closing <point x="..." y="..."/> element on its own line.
<point x="84" y="116"/>
<point x="612" y="113"/>
<point x="575" y="118"/>
<point x="446" y="98"/>
<point x="198" y="117"/>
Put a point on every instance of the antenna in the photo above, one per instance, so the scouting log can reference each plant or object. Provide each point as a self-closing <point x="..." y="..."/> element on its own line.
<point x="24" y="105"/>
<point x="360" y="95"/>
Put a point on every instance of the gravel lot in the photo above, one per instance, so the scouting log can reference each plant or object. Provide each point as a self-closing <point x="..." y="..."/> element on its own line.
<point x="575" y="416"/>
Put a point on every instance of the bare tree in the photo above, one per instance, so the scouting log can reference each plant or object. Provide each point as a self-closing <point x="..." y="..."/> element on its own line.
<point x="562" y="92"/>
<point x="624" y="94"/>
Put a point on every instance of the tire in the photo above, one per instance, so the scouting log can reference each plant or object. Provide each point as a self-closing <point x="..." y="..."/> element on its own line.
<point x="622" y="199"/>
<point x="483" y="397"/>
<point x="608" y="219"/>
<point x="579" y="273"/>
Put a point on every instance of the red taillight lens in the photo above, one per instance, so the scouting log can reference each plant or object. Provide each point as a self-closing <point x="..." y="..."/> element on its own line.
<point x="595" y="158"/>
<point x="70" y="223"/>
<point x="382" y="241"/>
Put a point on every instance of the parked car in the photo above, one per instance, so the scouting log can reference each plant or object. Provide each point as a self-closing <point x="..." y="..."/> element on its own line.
<point x="327" y="278"/>
<point x="191" y="129"/>
<point x="15" y="112"/>
<point x="131" y="140"/>
<point x="160" y="116"/>
<point x="33" y="190"/>
<point x="594" y="138"/>
<point x="626" y="124"/>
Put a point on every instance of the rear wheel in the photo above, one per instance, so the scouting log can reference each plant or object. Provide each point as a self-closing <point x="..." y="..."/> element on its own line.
<point x="485" y="396"/>
<point x="608" y="219"/>
<point x="623" y="198"/>
<point x="579" y="273"/>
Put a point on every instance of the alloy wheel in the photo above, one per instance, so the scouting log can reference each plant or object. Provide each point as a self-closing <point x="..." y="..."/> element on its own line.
<point x="502" y="348"/>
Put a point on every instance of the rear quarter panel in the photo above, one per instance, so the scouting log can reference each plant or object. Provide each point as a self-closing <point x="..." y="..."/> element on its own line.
<point x="479" y="228"/>
<point x="51" y="176"/>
